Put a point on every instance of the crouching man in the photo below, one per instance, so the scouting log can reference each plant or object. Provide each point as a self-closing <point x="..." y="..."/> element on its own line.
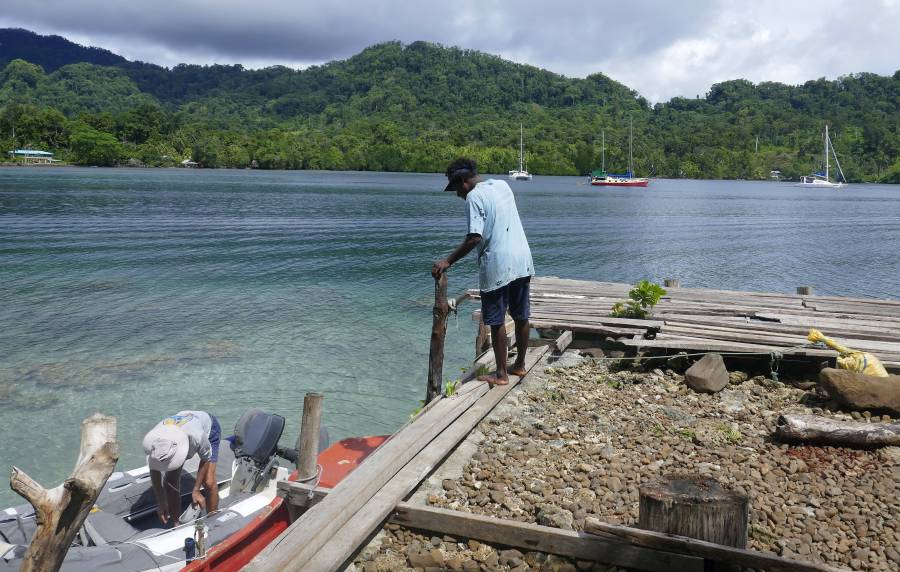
<point x="168" y="445"/>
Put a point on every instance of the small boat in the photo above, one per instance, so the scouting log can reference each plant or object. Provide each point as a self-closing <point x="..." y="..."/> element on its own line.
<point x="600" y="178"/>
<point x="821" y="180"/>
<point x="122" y="532"/>
<point x="521" y="174"/>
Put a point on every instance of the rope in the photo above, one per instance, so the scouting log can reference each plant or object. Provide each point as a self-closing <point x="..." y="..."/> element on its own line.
<point x="317" y="477"/>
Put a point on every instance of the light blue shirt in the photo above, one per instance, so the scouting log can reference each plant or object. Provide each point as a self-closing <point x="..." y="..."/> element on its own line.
<point x="503" y="253"/>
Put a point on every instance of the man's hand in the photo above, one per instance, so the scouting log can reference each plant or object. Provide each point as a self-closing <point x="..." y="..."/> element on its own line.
<point x="163" y="514"/>
<point x="439" y="268"/>
<point x="197" y="499"/>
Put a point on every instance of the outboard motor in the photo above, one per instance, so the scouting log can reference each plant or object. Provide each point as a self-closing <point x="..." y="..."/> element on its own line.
<point x="256" y="450"/>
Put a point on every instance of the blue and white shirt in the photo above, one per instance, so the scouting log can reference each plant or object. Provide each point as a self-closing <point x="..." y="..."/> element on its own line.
<point x="503" y="253"/>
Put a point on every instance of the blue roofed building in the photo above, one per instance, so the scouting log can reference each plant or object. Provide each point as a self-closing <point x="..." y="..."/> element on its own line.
<point x="33" y="157"/>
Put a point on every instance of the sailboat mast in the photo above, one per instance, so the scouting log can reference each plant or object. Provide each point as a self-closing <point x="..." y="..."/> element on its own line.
<point x="603" y="150"/>
<point x="630" y="152"/>
<point x="521" y="146"/>
<point x="826" y="151"/>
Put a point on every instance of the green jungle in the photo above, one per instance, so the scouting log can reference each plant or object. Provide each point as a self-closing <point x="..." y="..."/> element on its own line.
<point x="397" y="107"/>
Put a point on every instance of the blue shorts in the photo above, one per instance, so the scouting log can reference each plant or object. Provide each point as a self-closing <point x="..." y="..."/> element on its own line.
<point x="514" y="295"/>
<point x="215" y="435"/>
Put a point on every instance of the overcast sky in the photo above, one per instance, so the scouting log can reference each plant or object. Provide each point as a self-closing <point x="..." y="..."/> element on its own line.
<point x="661" y="48"/>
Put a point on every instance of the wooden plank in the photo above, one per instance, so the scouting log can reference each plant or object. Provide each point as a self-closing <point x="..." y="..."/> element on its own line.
<point x="873" y="346"/>
<point x="343" y="543"/>
<point x="563" y="341"/>
<point x="851" y="331"/>
<point x="582" y="327"/>
<point x="301" y="494"/>
<point x="718" y="552"/>
<point x="305" y="536"/>
<point x="527" y="536"/>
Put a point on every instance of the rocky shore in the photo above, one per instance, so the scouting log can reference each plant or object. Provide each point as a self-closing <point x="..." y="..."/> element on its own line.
<point x="577" y="439"/>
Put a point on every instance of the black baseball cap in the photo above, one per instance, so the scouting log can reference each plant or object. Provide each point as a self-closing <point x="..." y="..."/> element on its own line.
<point x="458" y="171"/>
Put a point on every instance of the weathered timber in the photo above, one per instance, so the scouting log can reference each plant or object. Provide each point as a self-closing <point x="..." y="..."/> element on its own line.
<point x="696" y="507"/>
<point x="576" y="545"/>
<point x="483" y="339"/>
<point x="308" y="440"/>
<point x="301" y="495"/>
<point x="824" y="431"/>
<point x="563" y="341"/>
<point x="438" y="333"/>
<point x="61" y="511"/>
<point x="311" y="531"/>
<point x="703" y="549"/>
<point x="804" y="290"/>
<point x="672" y="283"/>
<point x="341" y="546"/>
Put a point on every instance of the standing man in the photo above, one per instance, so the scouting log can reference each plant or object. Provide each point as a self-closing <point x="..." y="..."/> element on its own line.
<point x="504" y="260"/>
<point x="173" y="441"/>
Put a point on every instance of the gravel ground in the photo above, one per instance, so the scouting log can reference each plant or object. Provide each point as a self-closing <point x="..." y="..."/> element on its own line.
<point x="578" y="441"/>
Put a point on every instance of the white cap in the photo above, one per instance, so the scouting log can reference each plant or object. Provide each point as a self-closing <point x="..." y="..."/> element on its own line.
<point x="166" y="447"/>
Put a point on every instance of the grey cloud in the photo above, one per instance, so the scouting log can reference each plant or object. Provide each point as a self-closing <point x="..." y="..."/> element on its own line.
<point x="634" y="41"/>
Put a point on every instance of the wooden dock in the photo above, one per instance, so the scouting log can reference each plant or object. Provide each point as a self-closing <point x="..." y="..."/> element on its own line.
<point x="701" y="320"/>
<point x="337" y="523"/>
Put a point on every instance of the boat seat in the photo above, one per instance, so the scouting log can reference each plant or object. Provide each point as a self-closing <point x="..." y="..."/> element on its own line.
<point x="105" y="528"/>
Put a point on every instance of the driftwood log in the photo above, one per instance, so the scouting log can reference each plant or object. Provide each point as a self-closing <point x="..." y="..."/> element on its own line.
<point x="61" y="511"/>
<point x="695" y="507"/>
<point x="438" y="333"/>
<point x="824" y="431"/>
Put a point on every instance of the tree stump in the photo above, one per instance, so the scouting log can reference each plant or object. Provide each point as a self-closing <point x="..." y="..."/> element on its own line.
<point x="694" y="507"/>
<point x="61" y="511"/>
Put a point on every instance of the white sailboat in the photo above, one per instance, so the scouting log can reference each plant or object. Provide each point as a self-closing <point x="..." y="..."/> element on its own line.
<point x="821" y="180"/>
<point x="521" y="174"/>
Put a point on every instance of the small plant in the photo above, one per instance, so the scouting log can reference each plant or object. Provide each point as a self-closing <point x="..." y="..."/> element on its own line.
<point x="644" y="296"/>
<point x="450" y="387"/>
<point x="732" y="435"/>
<point x="482" y="370"/>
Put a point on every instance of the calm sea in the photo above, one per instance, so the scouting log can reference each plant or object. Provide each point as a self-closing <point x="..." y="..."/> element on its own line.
<point x="141" y="292"/>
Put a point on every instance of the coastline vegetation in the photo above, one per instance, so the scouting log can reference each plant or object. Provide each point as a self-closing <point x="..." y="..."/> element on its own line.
<point x="396" y="107"/>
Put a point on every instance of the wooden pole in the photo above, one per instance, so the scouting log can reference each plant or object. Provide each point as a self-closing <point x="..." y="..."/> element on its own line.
<point x="308" y="440"/>
<point x="694" y="507"/>
<point x="804" y="290"/>
<point x="671" y="283"/>
<point x="438" y="332"/>
<point x="483" y="339"/>
<point x="61" y="511"/>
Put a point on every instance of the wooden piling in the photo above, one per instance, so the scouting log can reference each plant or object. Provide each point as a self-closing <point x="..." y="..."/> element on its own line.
<point x="62" y="510"/>
<point x="671" y="283"/>
<point x="308" y="440"/>
<point x="804" y="290"/>
<point x="694" y="507"/>
<point x="438" y="333"/>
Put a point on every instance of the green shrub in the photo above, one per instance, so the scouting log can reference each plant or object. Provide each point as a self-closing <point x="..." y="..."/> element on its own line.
<point x="644" y="296"/>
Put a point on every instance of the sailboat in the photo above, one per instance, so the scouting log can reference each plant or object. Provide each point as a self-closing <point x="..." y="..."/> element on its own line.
<point x="821" y="180"/>
<point x="522" y="173"/>
<point x="603" y="179"/>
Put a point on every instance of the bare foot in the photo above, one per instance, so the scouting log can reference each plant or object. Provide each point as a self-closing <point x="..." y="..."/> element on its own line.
<point x="518" y="370"/>
<point x="494" y="379"/>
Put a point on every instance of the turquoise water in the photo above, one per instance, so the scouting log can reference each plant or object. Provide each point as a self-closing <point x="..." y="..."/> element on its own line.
<point x="141" y="292"/>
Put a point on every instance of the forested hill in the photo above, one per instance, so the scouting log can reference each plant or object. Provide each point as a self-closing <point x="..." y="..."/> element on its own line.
<point x="414" y="107"/>
<point x="50" y="52"/>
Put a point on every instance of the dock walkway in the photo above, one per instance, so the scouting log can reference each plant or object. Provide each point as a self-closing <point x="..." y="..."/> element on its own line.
<point x="338" y="522"/>
<point x="701" y="320"/>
